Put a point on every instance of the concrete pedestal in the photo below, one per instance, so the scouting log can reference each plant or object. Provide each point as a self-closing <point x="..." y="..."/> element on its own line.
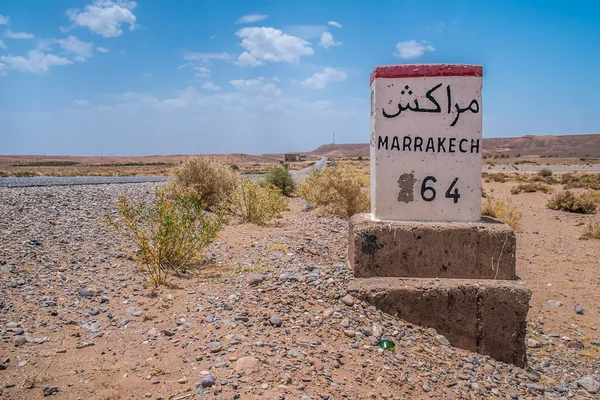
<point x="486" y="316"/>
<point x="456" y="277"/>
<point x="475" y="250"/>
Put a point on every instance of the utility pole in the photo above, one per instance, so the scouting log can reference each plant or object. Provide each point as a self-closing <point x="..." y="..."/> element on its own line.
<point x="334" y="138"/>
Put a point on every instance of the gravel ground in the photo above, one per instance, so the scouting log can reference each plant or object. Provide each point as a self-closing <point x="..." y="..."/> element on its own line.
<point x="268" y="318"/>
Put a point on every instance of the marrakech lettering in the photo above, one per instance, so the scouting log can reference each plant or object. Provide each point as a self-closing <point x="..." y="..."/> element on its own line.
<point x="473" y="106"/>
<point x="442" y="145"/>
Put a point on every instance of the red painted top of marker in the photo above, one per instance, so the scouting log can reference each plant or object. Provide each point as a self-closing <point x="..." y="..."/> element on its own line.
<point x="425" y="70"/>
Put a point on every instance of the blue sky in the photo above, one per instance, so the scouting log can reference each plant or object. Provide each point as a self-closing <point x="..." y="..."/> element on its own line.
<point x="91" y="77"/>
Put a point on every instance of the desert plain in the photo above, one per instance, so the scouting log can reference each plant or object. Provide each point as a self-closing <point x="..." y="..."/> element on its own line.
<point x="269" y="315"/>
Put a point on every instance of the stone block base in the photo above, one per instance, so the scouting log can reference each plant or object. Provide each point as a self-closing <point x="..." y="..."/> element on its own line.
<point x="485" y="316"/>
<point x="465" y="250"/>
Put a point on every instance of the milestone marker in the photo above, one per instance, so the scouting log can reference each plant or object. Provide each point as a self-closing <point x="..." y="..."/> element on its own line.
<point x="426" y="142"/>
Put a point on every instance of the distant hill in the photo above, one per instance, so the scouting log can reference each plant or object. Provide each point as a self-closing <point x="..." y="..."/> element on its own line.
<point x="561" y="146"/>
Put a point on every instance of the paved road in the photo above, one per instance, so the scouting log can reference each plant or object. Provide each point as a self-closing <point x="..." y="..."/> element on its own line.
<point x="98" y="180"/>
<point x="303" y="173"/>
<point x="76" y="180"/>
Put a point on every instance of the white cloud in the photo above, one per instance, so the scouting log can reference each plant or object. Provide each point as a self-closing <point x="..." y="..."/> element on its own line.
<point x="327" y="40"/>
<point x="105" y="17"/>
<point x="211" y="86"/>
<point x="36" y="62"/>
<point x="2" y="45"/>
<point x="199" y="56"/>
<point x="81" y="103"/>
<point x="4" y="20"/>
<point x="82" y="50"/>
<point x="333" y="23"/>
<point x="270" y="45"/>
<point x="18" y="35"/>
<point x="246" y="19"/>
<point x="412" y="49"/>
<point x="306" y="32"/>
<point x="45" y="44"/>
<point x="321" y="79"/>
<point x="202" y="72"/>
<point x="255" y="87"/>
<point x="102" y="49"/>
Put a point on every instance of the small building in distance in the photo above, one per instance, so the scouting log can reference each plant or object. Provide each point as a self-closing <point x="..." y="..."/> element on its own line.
<point x="289" y="157"/>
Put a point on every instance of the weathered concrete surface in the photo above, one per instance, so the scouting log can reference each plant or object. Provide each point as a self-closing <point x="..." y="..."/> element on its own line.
<point x="426" y="132"/>
<point x="474" y="250"/>
<point x="486" y="316"/>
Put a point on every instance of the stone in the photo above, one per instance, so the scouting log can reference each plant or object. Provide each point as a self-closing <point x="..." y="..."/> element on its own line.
<point x="590" y="384"/>
<point x="426" y="161"/>
<point x="206" y="382"/>
<point x="377" y="330"/>
<point x="86" y="292"/>
<point x="348" y="300"/>
<point x="486" y="316"/>
<point x="578" y="309"/>
<point x="215" y="347"/>
<point x="256" y="279"/>
<point x="442" y="340"/>
<point x="534" y="344"/>
<point x="50" y="390"/>
<point x="478" y="250"/>
<point x="275" y="321"/>
<point x="246" y="365"/>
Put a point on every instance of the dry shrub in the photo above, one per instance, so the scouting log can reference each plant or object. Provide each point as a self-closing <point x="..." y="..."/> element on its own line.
<point x="531" y="188"/>
<point x="499" y="209"/>
<point x="495" y="177"/>
<point x="550" y="179"/>
<point x="207" y="178"/>
<point x="255" y="202"/>
<point x="592" y="231"/>
<point x="586" y="181"/>
<point x="336" y="191"/>
<point x="170" y="233"/>
<point x="584" y="203"/>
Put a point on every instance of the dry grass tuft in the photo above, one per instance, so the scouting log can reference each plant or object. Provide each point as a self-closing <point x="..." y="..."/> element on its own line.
<point x="337" y="191"/>
<point x="499" y="209"/>
<point x="584" y="203"/>
<point x="592" y="231"/>
<point x="255" y="202"/>
<point x="586" y="181"/>
<point x="531" y="187"/>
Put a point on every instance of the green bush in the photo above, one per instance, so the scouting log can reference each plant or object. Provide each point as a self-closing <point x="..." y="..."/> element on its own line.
<point x="585" y="203"/>
<point x="337" y="191"/>
<point x="170" y="233"/>
<point x="280" y="177"/>
<point x="207" y="178"/>
<point x="255" y="202"/>
<point x="545" y="172"/>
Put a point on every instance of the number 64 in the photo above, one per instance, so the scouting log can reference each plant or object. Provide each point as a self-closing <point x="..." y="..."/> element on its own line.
<point x="428" y="193"/>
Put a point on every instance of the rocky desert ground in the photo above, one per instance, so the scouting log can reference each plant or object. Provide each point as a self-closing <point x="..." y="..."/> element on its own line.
<point x="269" y="318"/>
